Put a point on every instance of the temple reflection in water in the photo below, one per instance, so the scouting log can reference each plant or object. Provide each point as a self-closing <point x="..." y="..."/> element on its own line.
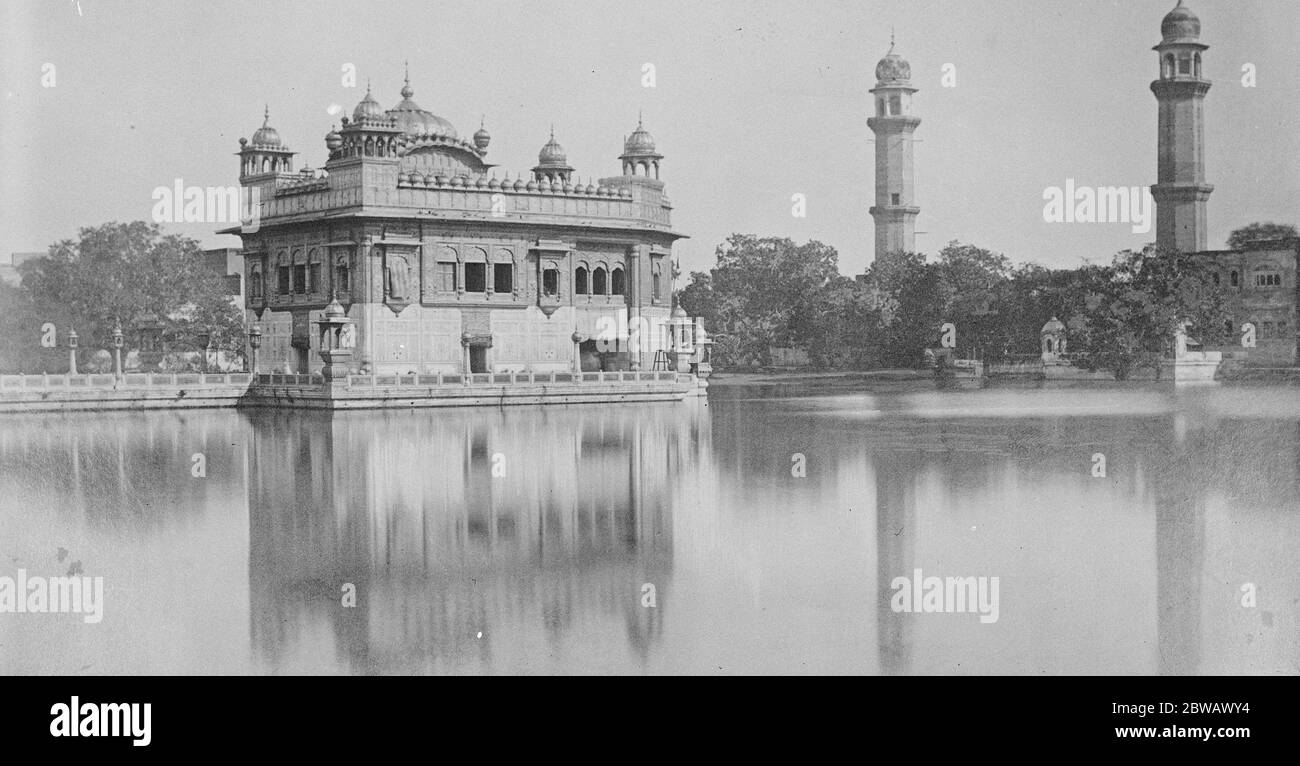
<point x="540" y="567"/>
<point x="464" y="532"/>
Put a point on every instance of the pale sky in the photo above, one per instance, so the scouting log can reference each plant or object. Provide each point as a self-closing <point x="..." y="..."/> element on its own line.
<point x="753" y="102"/>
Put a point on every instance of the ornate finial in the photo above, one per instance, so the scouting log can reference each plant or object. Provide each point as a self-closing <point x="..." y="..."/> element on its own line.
<point x="639" y="114"/>
<point x="552" y="131"/>
<point x="266" y="116"/>
<point x="891" y="37"/>
<point x="407" y="90"/>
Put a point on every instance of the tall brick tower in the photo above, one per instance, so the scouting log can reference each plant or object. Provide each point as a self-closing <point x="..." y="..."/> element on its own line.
<point x="1181" y="192"/>
<point x="895" y="210"/>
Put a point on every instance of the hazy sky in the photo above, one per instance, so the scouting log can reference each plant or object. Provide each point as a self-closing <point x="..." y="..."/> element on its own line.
<point x="753" y="102"/>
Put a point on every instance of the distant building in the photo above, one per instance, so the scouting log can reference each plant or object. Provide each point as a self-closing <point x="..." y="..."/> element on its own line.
<point x="228" y="263"/>
<point x="446" y="266"/>
<point x="9" y="269"/>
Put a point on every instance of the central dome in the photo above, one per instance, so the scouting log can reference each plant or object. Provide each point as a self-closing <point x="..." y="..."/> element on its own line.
<point x="415" y="121"/>
<point x="1180" y="25"/>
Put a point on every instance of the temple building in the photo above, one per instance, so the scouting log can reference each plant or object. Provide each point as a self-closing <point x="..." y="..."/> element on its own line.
<point x="445" y="264"/>
<point x="1261" y="278"/>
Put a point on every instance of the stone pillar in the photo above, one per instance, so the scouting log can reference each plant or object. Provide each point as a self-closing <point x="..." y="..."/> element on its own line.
<point x="72" y="352"/>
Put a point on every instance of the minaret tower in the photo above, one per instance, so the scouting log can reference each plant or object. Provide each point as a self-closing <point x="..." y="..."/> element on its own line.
<point x="1181" y="192"/>
<point x="895" y="209"/>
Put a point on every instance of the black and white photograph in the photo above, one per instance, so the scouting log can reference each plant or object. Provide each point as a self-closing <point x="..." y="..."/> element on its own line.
<point x="641" y="338"/>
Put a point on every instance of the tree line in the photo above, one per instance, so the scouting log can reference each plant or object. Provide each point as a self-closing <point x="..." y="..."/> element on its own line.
<point x="768" y="292"/>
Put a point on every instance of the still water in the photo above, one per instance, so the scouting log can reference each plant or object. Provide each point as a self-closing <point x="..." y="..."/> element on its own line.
<point x="766" y="527"/>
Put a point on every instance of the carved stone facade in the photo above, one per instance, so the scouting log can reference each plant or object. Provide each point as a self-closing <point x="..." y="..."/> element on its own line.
<point x="443" y="266"/>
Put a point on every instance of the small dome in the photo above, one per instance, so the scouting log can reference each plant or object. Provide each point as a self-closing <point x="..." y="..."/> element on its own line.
<point x="335" y="309"/>
<point x="893" y="68"/>
<point x="266" y="135"/>
<point x="1180" y="25"/>
<point x="552" y="154"/>
<point x="640" y="142"/>
<point x="1053" y="326"/>
<point x="481" y="137"/>
<point x="333" y="140"/>
<point x="368" y="109"/>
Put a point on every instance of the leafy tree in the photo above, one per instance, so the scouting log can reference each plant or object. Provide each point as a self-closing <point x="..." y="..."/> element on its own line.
<point x="974" y="282"/>
<point x="1255" y="232"/>
<point x="912" y="304"/>
<point x="1129" y="318"/>
<point x="118" y="271"/>
<point x="765" y="291"/>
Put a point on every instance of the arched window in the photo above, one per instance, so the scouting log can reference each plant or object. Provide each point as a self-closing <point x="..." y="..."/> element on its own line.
<point x="255" y="282"/>
<point x="1184" y="64"/>
<point x="283" y="283"/>
<point x="616" y="281"/>
<point x="656" y="284"/>
<point x="370" y="147"/>
<point x="580" y="281"/>
<point x="550" y="281"/>
<point x="1234" y="279"/>
<point x="1167" y="71"/>
<point x="598" y="281"/>
<point x="1266" y="276"/>
<point x="342" y="279"/>
<point x="315" y="286"/>
<point x="1198" y="65"/>
<point x="299" y="272"/>
<point x="895" y="105"/>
